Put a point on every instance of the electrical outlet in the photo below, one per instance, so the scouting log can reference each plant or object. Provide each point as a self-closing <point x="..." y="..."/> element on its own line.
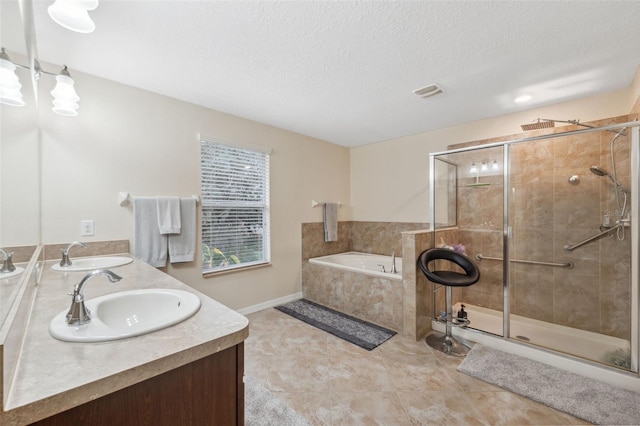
<point x="87" y="228"/>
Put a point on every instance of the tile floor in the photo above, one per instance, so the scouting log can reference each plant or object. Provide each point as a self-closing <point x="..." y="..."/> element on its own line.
<point x="401" y="382"/>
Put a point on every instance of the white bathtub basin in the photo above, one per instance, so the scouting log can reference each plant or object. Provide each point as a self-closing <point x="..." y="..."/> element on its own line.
<point x="127" y="314"/>
<point x="91" y="263"/>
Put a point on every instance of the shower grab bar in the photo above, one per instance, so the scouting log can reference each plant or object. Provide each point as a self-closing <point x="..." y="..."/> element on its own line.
<point x="530" y="262"/>
<point x="591" y="238"/>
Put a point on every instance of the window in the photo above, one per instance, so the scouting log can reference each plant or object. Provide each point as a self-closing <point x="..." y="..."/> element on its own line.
<point x="235" y="205"/>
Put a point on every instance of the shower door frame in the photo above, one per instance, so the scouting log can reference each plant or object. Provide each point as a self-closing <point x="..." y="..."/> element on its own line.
<point x="634" y="128"/>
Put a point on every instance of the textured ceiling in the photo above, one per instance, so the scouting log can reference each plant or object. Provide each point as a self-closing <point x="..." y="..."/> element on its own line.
<point x="345" y="71"/>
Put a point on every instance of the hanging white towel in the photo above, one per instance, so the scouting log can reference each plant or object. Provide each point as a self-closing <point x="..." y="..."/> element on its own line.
<point x="182" y="246"/>
<point x="330" y="217"/>
<point x="169" y="221"/>
<point x="148" y="244"/>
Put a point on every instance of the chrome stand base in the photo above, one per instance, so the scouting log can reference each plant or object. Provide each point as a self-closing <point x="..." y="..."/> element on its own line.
<point x="448" y="345"/>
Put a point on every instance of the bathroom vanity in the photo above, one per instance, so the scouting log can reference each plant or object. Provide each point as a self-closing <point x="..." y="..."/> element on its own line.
<point x="187" y="374"/>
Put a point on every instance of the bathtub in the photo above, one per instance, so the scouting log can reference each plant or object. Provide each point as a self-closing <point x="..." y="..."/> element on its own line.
<point x="353" y="283"/>
<point x="362" y="263"/>
<point x="579" y="343"/>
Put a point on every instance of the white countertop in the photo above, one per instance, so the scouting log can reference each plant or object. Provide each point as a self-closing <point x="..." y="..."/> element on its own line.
<point x="53" y="376"/>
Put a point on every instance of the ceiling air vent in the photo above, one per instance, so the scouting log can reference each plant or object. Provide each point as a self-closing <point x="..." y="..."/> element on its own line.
<point x="428" y="91"/>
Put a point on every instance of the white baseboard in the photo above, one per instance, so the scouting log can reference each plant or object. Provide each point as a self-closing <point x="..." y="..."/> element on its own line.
<point x="270" y="303"/>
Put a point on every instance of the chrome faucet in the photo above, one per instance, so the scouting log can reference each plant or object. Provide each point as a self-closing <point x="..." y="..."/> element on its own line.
<point x="393" y="263"/>
<point x="65" y="252"/>
<point x="7" y="265"/>
<point x="78" y="313"/>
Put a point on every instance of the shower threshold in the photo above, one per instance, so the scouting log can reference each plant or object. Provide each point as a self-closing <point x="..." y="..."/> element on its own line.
<point x="580" y="343"/>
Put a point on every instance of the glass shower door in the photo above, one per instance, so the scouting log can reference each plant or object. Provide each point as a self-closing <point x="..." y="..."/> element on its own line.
<point x="569" y="280"/>
<point x="474" y="198"/>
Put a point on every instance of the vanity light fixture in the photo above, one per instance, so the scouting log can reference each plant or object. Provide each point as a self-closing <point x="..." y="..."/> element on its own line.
<point x="65" y="98"/>
<point x="73" y="14"/>
<point x="484" y="167"/>
<point x="10" y="86"/>
<point x="474" y="168"/>
<point x="494" y="165"/>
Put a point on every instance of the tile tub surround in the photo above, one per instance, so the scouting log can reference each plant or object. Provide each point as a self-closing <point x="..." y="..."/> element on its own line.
<point x="54" y="376"/>
<point x="407" y="240"/>
<point x="327" y="287"/>
<point x="366" y="237"/>
<point x="373" y="299"/>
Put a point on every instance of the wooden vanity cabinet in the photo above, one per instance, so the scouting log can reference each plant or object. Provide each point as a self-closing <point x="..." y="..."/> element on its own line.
<point x="209" y="391"/>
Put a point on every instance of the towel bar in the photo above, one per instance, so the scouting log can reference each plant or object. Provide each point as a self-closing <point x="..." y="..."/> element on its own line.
<point x="529" y="262"/>
<point x="124" y="199"/>
<point x="314" y="203"/>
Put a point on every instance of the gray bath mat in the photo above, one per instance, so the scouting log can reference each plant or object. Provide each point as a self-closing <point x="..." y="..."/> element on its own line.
<point x="588" y="399"/>
<point x="263" y="408"/>
<point x="351" y="329"/>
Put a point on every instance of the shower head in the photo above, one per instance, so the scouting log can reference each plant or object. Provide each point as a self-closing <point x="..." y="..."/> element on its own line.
<point x="599" y="171"/>
<point x="540" y="123"/>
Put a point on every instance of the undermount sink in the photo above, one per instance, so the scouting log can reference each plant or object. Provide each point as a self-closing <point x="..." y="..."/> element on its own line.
<point x="90" y="263"/>
<point x="127" y="314"/>
<point x="17" y="271"/>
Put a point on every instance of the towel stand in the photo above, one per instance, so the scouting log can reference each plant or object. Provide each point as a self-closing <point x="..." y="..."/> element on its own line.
<point x="314" y="203"/>
<point x="124" y="198"/>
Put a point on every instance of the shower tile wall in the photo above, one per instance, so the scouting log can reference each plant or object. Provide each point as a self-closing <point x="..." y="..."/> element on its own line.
<point x="548" y="212"/>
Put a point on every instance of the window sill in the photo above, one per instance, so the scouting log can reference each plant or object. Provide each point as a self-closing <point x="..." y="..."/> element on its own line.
<point x="210" y="274"/>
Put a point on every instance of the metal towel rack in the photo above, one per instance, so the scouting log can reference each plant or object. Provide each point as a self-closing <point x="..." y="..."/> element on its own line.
<point x="314" y="203"/>
<point x="124" y="198"/>
<point x="530" y="262"/>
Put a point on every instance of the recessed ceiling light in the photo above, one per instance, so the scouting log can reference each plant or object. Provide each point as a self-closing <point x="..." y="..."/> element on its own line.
<point x="523" y="98"/>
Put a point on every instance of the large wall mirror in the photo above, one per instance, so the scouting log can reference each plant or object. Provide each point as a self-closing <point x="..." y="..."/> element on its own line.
<point x="19" y="163"/>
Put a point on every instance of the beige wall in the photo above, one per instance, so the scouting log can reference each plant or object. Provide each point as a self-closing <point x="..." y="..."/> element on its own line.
<point x="126" y="139"/>
<point x="390" y="180"/>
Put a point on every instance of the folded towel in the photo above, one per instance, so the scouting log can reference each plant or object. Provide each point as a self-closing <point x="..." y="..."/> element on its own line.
<point x="148" y="245"/>
<point x="182" y="246"/>
<point x="169" y="221"/>
<point x="330" y="218"/>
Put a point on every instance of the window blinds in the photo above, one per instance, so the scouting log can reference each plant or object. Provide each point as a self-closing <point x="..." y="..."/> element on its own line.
<point x="235" y="206"/>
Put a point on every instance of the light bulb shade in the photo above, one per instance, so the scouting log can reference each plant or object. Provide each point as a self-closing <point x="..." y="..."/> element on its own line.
<point x="72" y="14"/>
<point x="494" y="166"/>
<point x="473" y="168"/>
<point x="10" y="86"/>
<point x="65" y="98"/>
<point x="484" y="167"/>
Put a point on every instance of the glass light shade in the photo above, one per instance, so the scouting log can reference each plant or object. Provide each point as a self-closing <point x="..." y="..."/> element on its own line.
<point x="10" y="86"/>
<point x="65" y="98"/>
<point x="72" y="14"/>
<point x="473" y="168"/>
<point x="484" y="167"/>
<point x="494" y="166"/>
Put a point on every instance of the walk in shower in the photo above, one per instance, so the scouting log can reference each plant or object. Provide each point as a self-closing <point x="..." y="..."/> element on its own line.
<point x="552" y="223"/>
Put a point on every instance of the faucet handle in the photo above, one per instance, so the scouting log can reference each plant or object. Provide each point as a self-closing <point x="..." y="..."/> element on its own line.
<point x="7" y="264"/>
<point x="65" y="261"/>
